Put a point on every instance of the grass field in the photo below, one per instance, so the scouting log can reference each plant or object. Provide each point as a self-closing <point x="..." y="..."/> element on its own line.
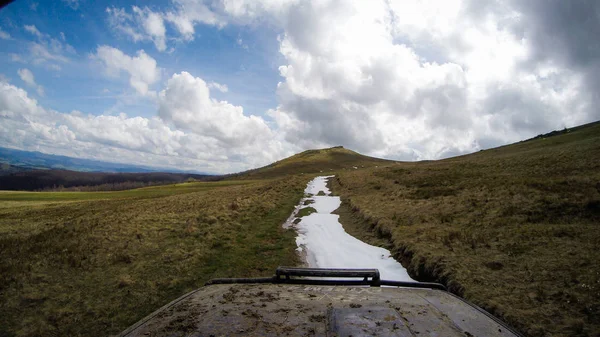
<point x="139" y="193"/>
<point x="91" y="264"/>
<point x="515" y="229"/>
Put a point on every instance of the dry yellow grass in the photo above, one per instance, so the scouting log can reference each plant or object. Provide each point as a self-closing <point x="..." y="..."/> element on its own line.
<point x="84" y="265"/>
<point x="322" y="161"/>
<point x="514" y="229"/>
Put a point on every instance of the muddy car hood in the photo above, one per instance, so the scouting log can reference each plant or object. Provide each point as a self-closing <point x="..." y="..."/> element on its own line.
<point x="308" y="310"/>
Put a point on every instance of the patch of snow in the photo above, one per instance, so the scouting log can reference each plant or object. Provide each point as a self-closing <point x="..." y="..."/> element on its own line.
<point x="325" y="204"/>
<point x="318" y="184"/>
<point x="325" y="243"/>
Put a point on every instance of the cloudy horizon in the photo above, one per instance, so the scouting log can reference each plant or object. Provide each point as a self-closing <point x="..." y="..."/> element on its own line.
<point x="222" y="86"/>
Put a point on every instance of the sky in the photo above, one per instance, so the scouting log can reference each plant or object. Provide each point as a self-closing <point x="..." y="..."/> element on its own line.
<point x="222" y="86"/>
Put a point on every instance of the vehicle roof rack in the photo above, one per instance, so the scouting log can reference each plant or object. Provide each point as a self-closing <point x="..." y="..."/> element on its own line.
<point x="328" y="276"/>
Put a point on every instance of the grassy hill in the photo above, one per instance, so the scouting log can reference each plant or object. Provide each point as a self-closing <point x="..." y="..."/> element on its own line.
<point x="315" y="161"/>
<point x="93" y="263"/>
<point x="516" y="229"/>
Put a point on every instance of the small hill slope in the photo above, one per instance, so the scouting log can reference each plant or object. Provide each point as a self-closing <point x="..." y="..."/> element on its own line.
<point x="513" y="229"/>
<point x="315" y="161"/>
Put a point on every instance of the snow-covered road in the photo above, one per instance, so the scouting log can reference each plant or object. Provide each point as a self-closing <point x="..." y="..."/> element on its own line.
<point x="325" y="244"/>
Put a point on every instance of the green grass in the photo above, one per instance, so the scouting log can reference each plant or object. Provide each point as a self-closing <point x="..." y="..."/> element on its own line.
<point x="306" y="211"/>
<point x="85" y="264"/>
<point x="139" y="193"/>
<point x="514" y="229"/>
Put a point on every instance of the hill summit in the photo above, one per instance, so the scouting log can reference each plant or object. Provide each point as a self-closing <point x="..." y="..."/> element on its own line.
<point x="316" y="161"/>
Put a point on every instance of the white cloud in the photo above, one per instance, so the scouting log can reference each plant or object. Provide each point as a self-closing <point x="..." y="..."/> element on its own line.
<point x="188" y="13"/>
<point x="399" y="79"/>
<point x="190" y="131"/>
<point x="184" y="15"/>
<point x="142" y="69"/>
<point x="221" y="87"/>
<point x="41" y="53"/>
<point x="141" y="25"/>
<point x="153" y="25"/>
<point x="47" y="50"/>
<point x="33" y="30"/>
<point x="186" y="102"/>
<point x="27" y="76"/>
<point x="410" y="80"/>
<point x="144" y="24"/>
<point x="4" y="35"/>
<point x="122" y="22"/>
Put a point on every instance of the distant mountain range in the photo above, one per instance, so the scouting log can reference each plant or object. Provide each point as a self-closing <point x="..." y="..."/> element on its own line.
<point x="12" y="160"/>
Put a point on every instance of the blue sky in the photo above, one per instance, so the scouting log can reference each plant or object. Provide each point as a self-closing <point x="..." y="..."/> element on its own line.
<point x="248" y="69"/>
<point x="223" y="86"/>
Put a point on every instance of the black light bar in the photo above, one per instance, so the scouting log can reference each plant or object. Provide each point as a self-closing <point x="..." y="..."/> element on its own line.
<point x="287" y="272"/>
<point x="293" y="275"/>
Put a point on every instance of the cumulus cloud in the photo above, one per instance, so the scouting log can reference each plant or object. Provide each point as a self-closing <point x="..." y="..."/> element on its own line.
<point x="424" y="79"/>
<point x="145" y="24"/>
<point x="405" y="80"/>
<point x="191" y="130"/>
<point x="186" y="102"/>
<point x="122" y="22"/>
<point x="141" y="25"/>
<point x="27" y="76"/>
<point x="188" y="13"/>
<point x="564" y="35"/>
<point x="141" y="69"/>
<point x="413" y="80"/>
